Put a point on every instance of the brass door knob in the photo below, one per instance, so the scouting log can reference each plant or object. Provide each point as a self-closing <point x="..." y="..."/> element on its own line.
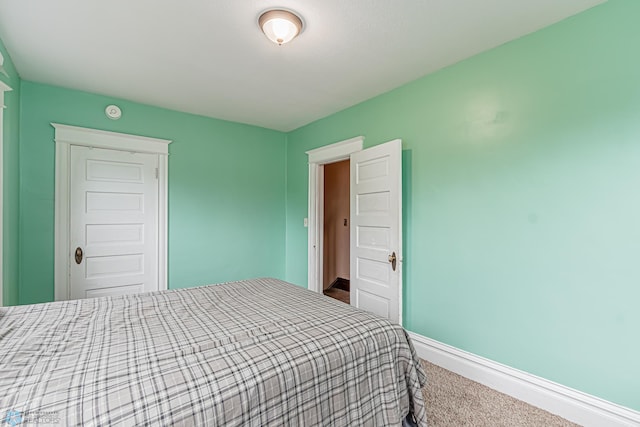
<point x="392" y="260"/>
<point x="79" y="255"/>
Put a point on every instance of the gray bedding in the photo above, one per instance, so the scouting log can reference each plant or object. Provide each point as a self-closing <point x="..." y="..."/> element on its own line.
<point x="252" y="353"/>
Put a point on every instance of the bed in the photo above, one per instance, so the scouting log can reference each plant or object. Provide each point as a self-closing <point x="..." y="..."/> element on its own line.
<point x="250" y="353"/>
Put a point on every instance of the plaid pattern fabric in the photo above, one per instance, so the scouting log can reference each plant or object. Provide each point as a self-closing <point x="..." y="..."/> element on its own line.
<point x="252" y="353"/>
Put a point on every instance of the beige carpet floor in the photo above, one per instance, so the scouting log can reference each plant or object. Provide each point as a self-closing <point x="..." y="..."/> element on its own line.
<point x="453" y="401"/>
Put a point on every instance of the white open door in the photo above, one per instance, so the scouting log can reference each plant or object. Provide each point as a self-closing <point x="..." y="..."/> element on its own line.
<point x="376" y="230"/>
<point x="113" y="222"/>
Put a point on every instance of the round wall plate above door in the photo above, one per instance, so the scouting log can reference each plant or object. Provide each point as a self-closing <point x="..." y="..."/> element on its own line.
<point x="113" y="112"/>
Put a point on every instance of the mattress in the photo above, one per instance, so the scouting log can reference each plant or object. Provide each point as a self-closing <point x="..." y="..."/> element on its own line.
<point x="251" y="353"/>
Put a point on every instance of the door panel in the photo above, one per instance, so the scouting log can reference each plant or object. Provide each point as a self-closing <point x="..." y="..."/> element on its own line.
<point x="114" y="220"/>
<point x="118" y="290"/>
<point x="373" y="271"/>
<point x="372" y="203"/>
<point x="373" y="303"/>
<point x="373" y="238"/>
<point x="376" y="227"/>
<point x="114" y="266"/>
<point x="103" y="202"/>
<point x="114" y="234"/>
<point x="114" y="171"/>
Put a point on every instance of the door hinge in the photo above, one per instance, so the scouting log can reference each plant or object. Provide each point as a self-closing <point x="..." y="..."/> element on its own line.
<point x="157" y="173"/>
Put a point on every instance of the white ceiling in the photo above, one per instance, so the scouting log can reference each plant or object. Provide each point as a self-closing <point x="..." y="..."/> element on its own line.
<point x="209" y="57"/>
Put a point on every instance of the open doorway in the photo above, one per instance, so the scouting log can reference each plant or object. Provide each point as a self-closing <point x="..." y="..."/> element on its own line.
<point x="319" y="159"/>
<point x="336" y="231"/>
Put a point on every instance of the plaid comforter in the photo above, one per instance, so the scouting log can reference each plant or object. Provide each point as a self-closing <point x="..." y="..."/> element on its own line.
<point x="252" y="353"/>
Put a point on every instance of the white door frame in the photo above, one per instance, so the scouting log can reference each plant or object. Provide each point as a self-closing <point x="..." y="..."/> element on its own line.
<point x="65" y="137"/>
<point x="3" y="88"/>
<point x="317" y="159"/>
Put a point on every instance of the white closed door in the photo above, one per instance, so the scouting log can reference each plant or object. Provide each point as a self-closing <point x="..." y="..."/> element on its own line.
<point x="376" y="230"/>
<point x="113" y="222"/>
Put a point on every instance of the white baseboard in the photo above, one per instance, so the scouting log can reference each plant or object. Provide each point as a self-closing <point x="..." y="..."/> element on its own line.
<point x="566" y="402"/>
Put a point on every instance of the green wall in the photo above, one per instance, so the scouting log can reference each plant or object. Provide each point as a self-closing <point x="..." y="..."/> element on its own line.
<point x="226" y="189"/>
<point x="521" y="200"/>
<point x="10" y="182"/>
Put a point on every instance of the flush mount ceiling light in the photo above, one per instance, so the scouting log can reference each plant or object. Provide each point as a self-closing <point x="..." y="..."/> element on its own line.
<point x="280" y="26"/>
